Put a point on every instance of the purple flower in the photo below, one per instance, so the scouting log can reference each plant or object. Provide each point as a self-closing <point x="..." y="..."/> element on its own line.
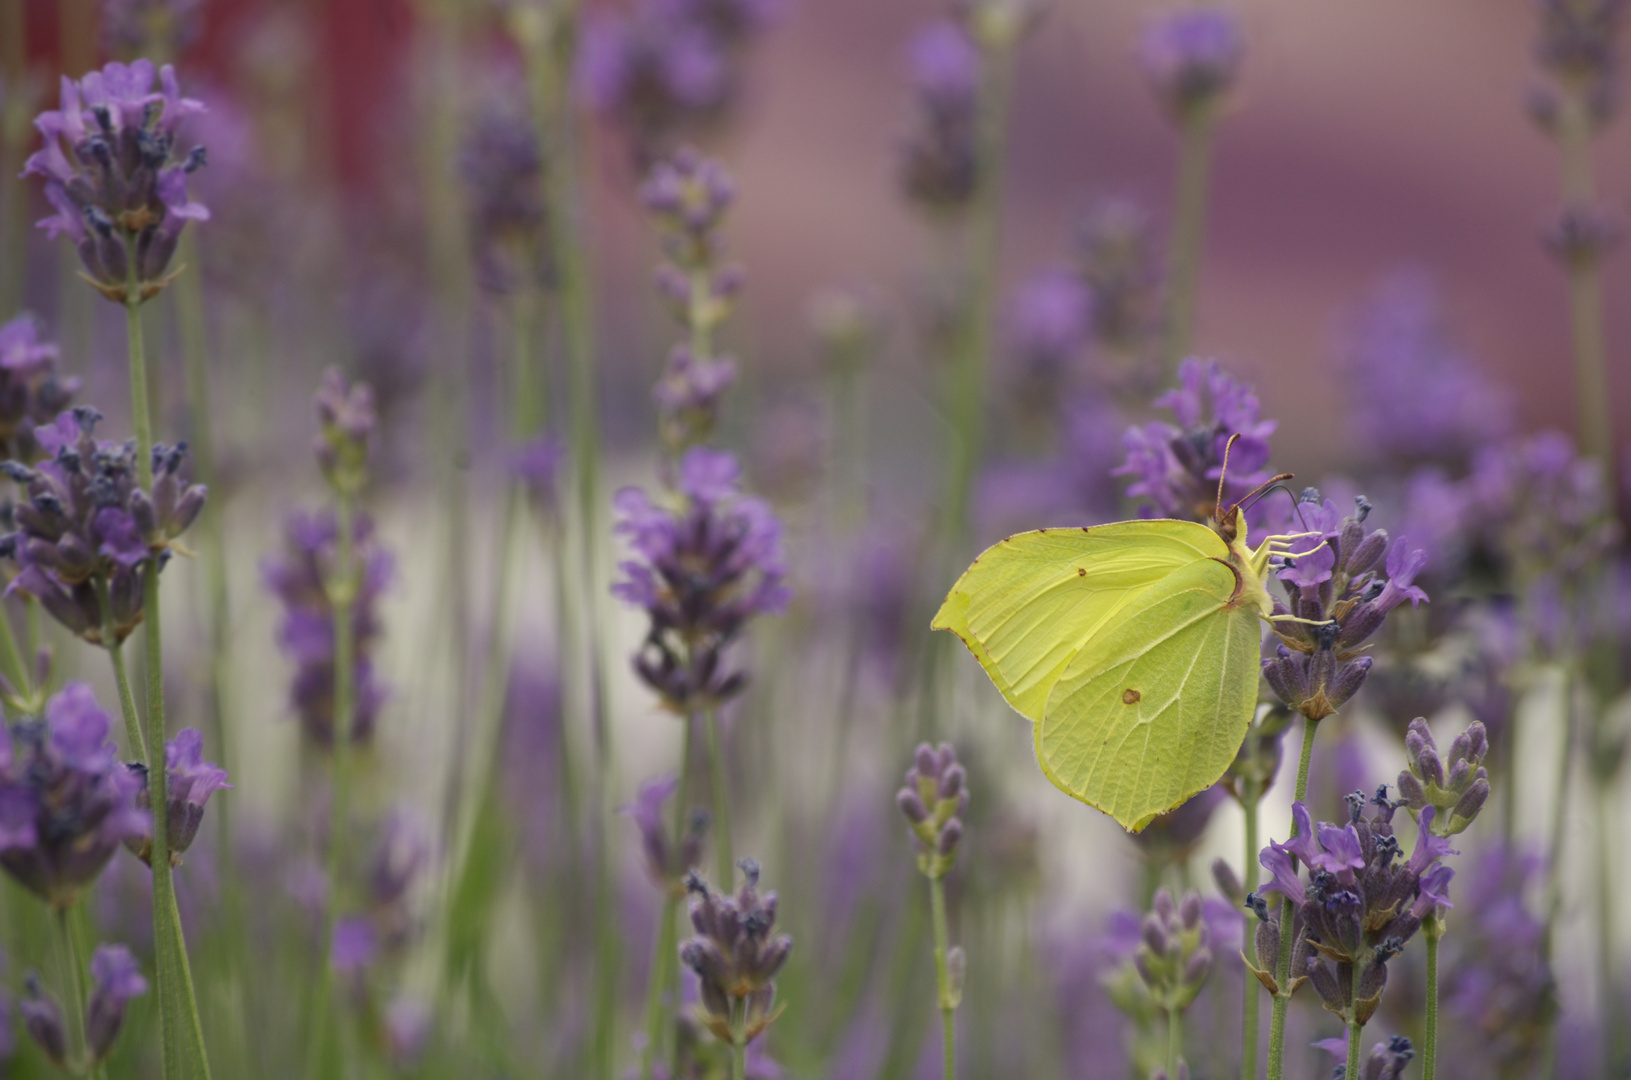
<point x="1176" y="469"/>
<point x="1339" y="855"/>
<point x="1049" y="319"/>
<point x="346" y="424"/>
<point x="31" y="391"/>
<point x="1118" y="258"/>
<point x="111" y="175"/>
<point x="43" y="1019"/>
<point x="502" y="166"/>
<point x="704" y="570"/>
<point x="940" y="164"/>
<point x="1276" y="859"/>
<point x="409" y="1025"/>
<point x="115" y="980"/>
<point x="1386" y="1060"/>
<point x="1403" y="564"/>
<point x="667" y="861"/>
<point x="190" y="782"/>
<point x="688" y="397"/>
<point x="537" y="464"/>
<point x="66" y="801"/>
<point x="87" y="527"/>
<point x="1414" y="395"/>
<point x="400" y="860"/>
<point x="162" y="26"/>
<point x="299" y="579"/>
<point x="354" y="946"/>
<point x="1577" y="49"/>
<point x="933" y="802"/>
<point x="735" y="955"/>
<point x="1192" y="57"/>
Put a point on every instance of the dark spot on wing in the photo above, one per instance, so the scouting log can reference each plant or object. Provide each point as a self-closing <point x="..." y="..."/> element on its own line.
<point x="1130" y="696"/>
<point x="1081" y="571"/>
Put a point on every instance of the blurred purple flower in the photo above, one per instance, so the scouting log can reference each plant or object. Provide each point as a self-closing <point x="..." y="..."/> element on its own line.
<point x="668" y="858"/>
<point x="502" y="166"/>
<point x="703" y="571"/>
<point x="31" y="391"/>
<point x="165" y="27"/>
<point x="735" y="956"/>
<point x="299" y="579"/>
<point x="1414" y="394"/>
<point x="1192" y="57"/>
<point x="537" y="464"/>
<point x="66" y="801"/>
<point x="115" y="979"/>
<point x="409" y="1025"/>
<point x="354" y="946"/>
<point x="940" y="165"/>
<point x="111" y="177"/>
<point x="1050" y="316"/>
<point x="346" y="430"/>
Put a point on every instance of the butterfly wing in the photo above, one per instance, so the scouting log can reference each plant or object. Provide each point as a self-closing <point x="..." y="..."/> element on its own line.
<point x="1153" y="708"/>
<point x="1029" y="604"/>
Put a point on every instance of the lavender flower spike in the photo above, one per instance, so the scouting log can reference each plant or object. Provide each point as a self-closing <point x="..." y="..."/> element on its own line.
<point x="31" y="391"/>
<point x="346" y="423"/>
<point x="933" y="802"/>
<point x="1192" y="58"/>
<point x="66" y="801"/>
<point x="117" y="979"/>
<point x="113" y="176"/>
<point x="735" y="956"/>
<point x="667" y="862"/>
<point x="191" y="782"/>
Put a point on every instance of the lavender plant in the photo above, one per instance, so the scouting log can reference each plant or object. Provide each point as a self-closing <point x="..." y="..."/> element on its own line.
<point x="933" y="802"/>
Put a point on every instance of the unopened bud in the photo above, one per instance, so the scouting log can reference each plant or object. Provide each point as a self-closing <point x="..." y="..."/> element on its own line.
<point x="1228" y="883"/>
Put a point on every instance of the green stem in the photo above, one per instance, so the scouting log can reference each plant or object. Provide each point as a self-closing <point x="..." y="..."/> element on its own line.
<point x="127" y="704"/>
<point x="342" y="590"/>
<point x="724" y="861"/>
<point x="973" y="345"/>
<point x="682" y="813"/>
<point x="1188" y="234"/>
<point x="1614" y="1033"/>
<point x="661" y="960"/>
<point x="1175" y="1041"/>
<point x="1432" y="930"/>
<point x="1595" y="419"/>
<point x="16" y="669"/>
<point x="183" y="1041"/>
<point x="739" y="1042"/>
<point x="942" y="973"/>
<point x="1355" y="1028"/>
<point x="73" y="970"/>
<point x="1252" y="988"/>
<point x="1282" y="966"/>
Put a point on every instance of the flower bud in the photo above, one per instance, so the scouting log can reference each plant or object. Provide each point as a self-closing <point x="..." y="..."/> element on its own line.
<point x="42" y="1017"/>
<point x="911" y="805"/>
<point x="1228" y="883"/>
<point x="950" y="834"/>
<point x="1189" y="911"/>
<point x="117" y="981"/>
<point x="1467" y="807"/>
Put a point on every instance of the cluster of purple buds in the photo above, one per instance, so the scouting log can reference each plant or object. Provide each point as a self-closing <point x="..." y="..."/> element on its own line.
<point x="1117" y="258"/>
<point x="669" y="859"/>
<point x="1192" y="59"/>
<point x="388" y="922"/>
<point x="667" y="67"/>
<point x="1386" y="1060"/>
<point x="1176" y="468"/>
<point x="933" y="801"/>
<point x="502" y="165"/>
<point x="164" y="27"/>
<point x="1174" y="954"/>
<point x="115" y="980"/>
<point x="1361" y="903"/>
<point x="190" y="782"/>
<point x="940" y="165"/>
<point x="31" y="392"/>
<point x="300" y="579"/>
<point x="1334" y="583"/>
<point x="1547" y="510"/>
<point x="706" y="567"/>
<point x="1457" y="789"/>
<point x="735" y="955"/>
<point x="88" y="532"/>
<point x="346" y="424"/>
<point x="111" y="175"/>
<point x="1576" y="48"/>
<point x="66" y="801"/>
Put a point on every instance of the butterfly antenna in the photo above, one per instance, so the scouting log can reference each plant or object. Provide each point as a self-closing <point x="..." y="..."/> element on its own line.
<point x="1223" y="475"/>
<point x="1263" y="489"/>
<point x="1296" y="506"/>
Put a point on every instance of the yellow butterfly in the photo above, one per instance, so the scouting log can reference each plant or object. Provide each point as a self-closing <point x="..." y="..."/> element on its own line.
<point x="1133" y="648"/>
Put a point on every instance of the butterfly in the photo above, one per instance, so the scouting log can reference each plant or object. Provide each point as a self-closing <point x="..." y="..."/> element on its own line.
<point x="1133" y="648"/>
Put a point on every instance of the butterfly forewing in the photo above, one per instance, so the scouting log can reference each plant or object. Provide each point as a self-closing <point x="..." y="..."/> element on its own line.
<point x="1030" y="603"/>
<point x="1153" y="707"/>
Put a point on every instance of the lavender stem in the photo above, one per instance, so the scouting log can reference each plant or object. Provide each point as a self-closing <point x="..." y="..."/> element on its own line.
<point x="73" y="970"/>
<point x="1432" y="929"/>
<point x="1250" y="1006"/>
<point x="1188" y="234"/>
<point x="1175" y="1041"/>
<point x="1595" y="419"/>
<point x="725" y="865"/>
<point x="1282" y="965"/>
<point x="948" y="1004"/>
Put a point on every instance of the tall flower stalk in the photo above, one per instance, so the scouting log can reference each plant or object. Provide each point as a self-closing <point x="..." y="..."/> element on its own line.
<point x="933" y="802"/>
<point x="112" y="174"/>
<point x="1192" y="59"/>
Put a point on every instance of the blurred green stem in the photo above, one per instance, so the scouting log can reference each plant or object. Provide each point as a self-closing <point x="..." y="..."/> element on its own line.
<point x="73" y="974"/>
<point x="971" y="358"/>
<point x="943" y="979"/>
<point x="1175" y="1040"/>
<point x="1252" y="988"/>
<point x="1355" y="1028"/>
<point x="1614" y="1031"/>
<point x="724" y="862"/>
<point x="1188" y="234"/>
<point x="1282" y="966"/>
<point x="1595" y="419"/>
<point x="1432" y="928"/>
<point x="661" y="963"/>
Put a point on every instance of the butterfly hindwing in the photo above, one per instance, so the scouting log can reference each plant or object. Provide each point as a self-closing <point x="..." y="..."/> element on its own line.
<point x="1031" y="602"/>
<point x="1152" y="709"/>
